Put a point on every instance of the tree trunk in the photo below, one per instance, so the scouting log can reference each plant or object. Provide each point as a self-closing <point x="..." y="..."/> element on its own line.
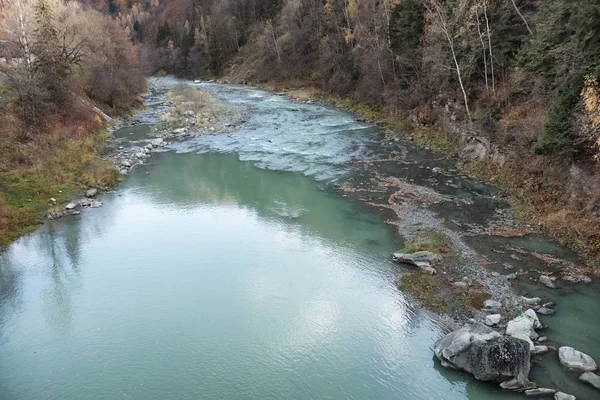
<point x="489" y="35"/>
<point x="522" y="17"/>
<point x="483" y="49"/>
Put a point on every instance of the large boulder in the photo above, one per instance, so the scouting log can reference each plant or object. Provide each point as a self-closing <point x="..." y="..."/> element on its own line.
<point x="523" y="327"/>
<point x="574" y="359"/>
<point x="484" y="353"/>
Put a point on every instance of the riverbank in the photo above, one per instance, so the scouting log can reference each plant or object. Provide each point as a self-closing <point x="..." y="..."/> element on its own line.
<point x="55" y="175"/>
<point x="50" y="169"/>
<point x="540" y="189"/>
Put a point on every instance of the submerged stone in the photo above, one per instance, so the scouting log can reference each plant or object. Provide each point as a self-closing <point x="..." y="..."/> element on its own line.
<point x="591" y="378"/>
<point x="564" y="396"/>
<point x="547" y="281"/>
<point x="574" y="359"/>
<point x="539" y="350"/>
<point x="539" y="392"/>
<point x="545" y="311"/>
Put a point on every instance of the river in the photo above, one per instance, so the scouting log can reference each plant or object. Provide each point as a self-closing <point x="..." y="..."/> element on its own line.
<point x="230" y="268"/>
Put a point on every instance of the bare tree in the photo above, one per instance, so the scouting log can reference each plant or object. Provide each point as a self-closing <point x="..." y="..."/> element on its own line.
<point x="522" y="17"/>
<point x="435" y="9"/>
<point x="489" y="36"/>
<point x="484" y="50"/>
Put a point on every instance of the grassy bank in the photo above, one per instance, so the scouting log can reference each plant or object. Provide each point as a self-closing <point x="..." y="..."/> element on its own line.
<point x="58" y="163"/>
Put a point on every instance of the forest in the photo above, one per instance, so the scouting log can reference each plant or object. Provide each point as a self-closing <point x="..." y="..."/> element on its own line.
<point x="519" y="77"/>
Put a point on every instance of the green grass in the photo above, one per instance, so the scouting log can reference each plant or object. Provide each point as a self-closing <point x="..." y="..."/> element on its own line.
<point x="429" y="241"/>
<point x="25" y="191"/>
<point x="425" y="288"/>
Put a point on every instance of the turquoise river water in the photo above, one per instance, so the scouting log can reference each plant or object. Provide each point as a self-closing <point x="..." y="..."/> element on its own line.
<point x="228" y="268"/>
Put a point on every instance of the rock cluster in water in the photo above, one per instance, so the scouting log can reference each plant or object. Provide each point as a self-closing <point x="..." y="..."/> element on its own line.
<point x="486" y="354"/>
<point x="73" y="207"/>
<point x="490" y="355"/>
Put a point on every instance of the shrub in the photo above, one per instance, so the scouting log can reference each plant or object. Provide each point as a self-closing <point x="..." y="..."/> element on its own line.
<point x="557" y="135"/>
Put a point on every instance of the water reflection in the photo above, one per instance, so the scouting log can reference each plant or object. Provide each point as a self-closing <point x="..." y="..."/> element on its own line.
<point x="189" y="179"/>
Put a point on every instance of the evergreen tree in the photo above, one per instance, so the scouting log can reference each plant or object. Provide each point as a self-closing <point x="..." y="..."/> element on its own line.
<point x="50" y="66"/>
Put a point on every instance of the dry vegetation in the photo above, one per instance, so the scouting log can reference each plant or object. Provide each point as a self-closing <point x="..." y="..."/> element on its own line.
<point x="60" y="63"/>
<point x="436" y="292"/>
<point x="192" y="103"/>
<point x="56" y="165"/>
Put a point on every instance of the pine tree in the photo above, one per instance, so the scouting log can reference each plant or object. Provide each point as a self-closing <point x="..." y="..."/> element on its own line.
<point x="51" y="68"/>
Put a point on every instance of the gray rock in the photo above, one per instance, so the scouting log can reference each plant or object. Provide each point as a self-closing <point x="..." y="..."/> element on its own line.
<point x="179" y="131"/>
<point x="574" y="359"/>
<point x="539" y="392"/>
<point x="96" y="204"/>
<point x="461" y="284"/>
<point x="492" y="304"/>
<point x="591" y="378"/>
<point x="157" y="142"/>
<point x="493" y="319"/>
<point x="85" y="202"/>
<point x="70" y="206"/>
<point x="126" y="164"/>
<point x="576" y="278"/>
<point x="511" y="277"/>
<point x="533" y="335"/>
<point x="484" y="353"/>
<point x="549" y="304"/>
<point x="419" y="259"/>
<point x="474" y="151"/>
<point x="545" y="311"/>
<point x="564" y="396"/>
<point x="495" y="274"/>
<point x="531" y="301"/>
<point x="539" y="350"/>
<point x="542" y="339"/>
<point x="547" y="281"/>
<point x="516" y="384"/>
<point x="54" y="213"/>
<point x="91" y="192"/>
<point x="76" y="213"/>
<point x="428" y="270"/>
<point x="523" y="327"/>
